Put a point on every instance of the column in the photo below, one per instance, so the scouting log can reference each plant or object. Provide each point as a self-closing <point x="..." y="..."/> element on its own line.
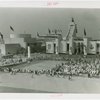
<point x="99" y="48"/>
<point x="3" y="49"/>
<point x="71" y="46"/>
<point x="57" y="46"/>
<point x="29" y="52"/>
<point x="85" y="46"/>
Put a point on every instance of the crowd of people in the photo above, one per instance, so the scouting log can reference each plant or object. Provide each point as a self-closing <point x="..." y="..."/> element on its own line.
<point x="89" y="67"/>
<point x="11" y="61"/>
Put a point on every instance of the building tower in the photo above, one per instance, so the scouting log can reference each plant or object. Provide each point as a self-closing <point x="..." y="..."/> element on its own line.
<point x="71" y="35"/>
<point x="2" y="45"/>
<point x="85" y="39"/>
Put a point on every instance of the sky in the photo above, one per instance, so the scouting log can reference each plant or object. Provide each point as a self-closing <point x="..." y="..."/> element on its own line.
<point x="33" y="20"/>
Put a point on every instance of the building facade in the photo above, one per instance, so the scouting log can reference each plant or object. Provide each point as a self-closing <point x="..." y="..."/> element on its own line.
<point x="71" y="44"/>
<point x="16" y="43"/>
<point x="53" y="43"/>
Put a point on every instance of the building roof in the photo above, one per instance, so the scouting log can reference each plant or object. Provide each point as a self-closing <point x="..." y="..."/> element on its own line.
<point x="78" y="38"/>
<point x="49" y="36"/>
<point x="95" y="40"/>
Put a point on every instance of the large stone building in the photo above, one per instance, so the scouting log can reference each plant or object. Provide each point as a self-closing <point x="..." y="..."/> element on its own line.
<point x="16" y="42"/>
<point x="53" y="43"/>
<point x="71" y="44"/>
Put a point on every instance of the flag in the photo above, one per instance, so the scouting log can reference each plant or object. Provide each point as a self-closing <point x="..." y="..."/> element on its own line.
<point x="37" y="34"/>
<point x="11" y="28"/>
<point x="49" y="31"/>
<point x="55" y="31"/>
<point x="72" y="19"/>
<point x="76" y="28"/>
<point x="84" y="32"/>
<point x="1" y="35"/>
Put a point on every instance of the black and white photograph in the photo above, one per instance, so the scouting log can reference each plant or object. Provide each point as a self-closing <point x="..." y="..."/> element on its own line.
<point x="49" y="50"/>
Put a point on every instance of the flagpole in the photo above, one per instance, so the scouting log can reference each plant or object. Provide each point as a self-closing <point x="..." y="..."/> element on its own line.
<point x="84" y="33"/>
<point x="85" y="43"/>
<point x="12" y="34"/>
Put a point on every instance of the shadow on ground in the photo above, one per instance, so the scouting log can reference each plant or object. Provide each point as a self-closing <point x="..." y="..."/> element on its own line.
<point x="19" y="90"/>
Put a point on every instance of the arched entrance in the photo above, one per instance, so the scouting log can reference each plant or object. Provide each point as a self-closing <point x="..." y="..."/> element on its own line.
<point x="78" y="48"/>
